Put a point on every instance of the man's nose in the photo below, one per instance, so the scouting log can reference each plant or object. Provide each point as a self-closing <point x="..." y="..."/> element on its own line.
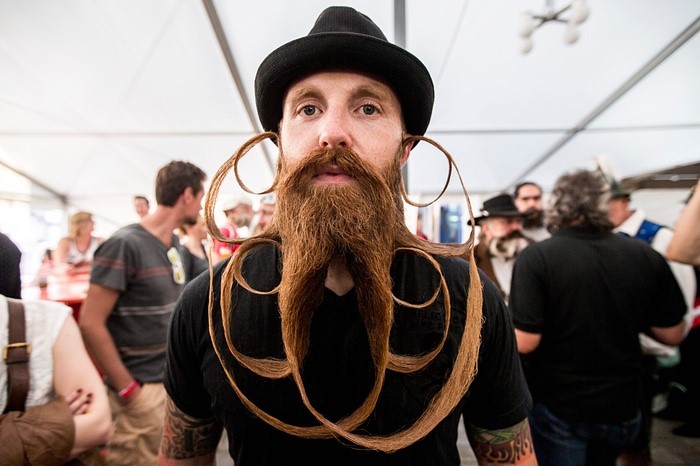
<point x="515" y="224"/>
<point x="334" y="131"/>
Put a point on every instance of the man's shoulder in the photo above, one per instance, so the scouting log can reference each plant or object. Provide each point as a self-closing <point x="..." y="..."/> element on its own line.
<point x="7" y="244"/>
<point x="455" y="269"/>
<point x="133" y="234"/>
<point x="125" y="233"/>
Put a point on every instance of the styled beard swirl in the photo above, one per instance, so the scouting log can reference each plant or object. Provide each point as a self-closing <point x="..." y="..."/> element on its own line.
<point x="509" y="246"/>
<point x="360" y="223"/>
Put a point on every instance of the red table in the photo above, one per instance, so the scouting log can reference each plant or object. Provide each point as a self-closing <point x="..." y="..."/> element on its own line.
<point x="67" y="289"/>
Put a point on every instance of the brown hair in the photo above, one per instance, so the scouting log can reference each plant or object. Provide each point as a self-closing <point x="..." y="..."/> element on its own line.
<point x="579" y="198"/>
<point x="174" y="178"/>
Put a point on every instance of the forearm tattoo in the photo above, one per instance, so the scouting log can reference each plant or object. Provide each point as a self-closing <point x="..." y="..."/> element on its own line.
<point x="502" y="446"/>
<point x="187" y="437"/>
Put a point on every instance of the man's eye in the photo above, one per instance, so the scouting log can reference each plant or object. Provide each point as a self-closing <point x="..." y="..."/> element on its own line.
<point x="309" y="110"/>
<point x="369" y="109"/>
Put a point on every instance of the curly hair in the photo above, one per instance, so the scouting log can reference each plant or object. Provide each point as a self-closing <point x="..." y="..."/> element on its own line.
<point x="579" y="198"/>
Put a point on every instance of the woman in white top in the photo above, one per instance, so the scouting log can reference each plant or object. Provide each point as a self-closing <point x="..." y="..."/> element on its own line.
<point x="74" y="252"/>
<point x="59" y="365"/>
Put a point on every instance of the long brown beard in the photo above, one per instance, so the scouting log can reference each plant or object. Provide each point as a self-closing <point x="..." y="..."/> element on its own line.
<point x="355" y="223"/>
<point x="363" y="225"/>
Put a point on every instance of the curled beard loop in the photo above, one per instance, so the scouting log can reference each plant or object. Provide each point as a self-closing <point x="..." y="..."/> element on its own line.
<point x="465" y="364"/>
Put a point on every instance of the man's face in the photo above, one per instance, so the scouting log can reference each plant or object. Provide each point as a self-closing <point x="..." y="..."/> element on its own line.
<point x="240" y="215"/>
<point x="529" y="197"/>
<point x="499" y="227"/>
<point x="195" y="206"/>
<point x="141" y="207"/>
<point x="341" y="109"/>
<point x="618" y="210"/>
<point x="266" y="213"/>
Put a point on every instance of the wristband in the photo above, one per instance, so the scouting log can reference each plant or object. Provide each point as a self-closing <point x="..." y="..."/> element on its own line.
<point x="126" y="392"/>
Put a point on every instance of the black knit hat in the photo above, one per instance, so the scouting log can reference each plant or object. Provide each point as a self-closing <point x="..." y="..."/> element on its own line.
<point x="499" y="206"/>
<point x="345" y="39"/>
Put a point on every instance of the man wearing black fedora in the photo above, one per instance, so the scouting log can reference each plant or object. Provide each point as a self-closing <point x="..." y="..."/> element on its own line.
<point x="500" y="241"/>
<point x="336" y="336"/>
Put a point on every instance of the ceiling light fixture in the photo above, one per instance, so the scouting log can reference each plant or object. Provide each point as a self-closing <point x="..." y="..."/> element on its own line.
<point x="577" y="12"/>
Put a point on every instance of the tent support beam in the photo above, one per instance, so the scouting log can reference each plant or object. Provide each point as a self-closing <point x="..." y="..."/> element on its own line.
<point x="400" y="40"/>
<point x="235" y="74"/>
<point x="61" y="197"/>
<point x="659" y="58"/>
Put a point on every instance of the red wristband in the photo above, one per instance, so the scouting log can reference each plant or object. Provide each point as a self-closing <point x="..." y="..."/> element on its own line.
<point x="126" y="392"/>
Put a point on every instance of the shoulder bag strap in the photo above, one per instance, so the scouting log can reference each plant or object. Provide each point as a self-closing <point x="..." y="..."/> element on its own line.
<point x="16" y="356"/>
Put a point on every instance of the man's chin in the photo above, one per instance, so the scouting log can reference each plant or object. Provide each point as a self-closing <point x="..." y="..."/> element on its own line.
<point x="534" y="219"/>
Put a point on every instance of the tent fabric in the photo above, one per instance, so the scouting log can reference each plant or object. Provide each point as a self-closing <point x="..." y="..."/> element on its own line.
<point x="96" y="95"/>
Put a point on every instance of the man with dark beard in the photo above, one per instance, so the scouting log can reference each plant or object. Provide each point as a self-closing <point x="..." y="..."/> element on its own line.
<point x="336" y="336"/>
<point x="528" y="199"/>
<point x="500" y="241"/>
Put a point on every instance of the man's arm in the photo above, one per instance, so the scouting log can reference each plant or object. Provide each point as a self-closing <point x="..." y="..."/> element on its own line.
<point x="96" y="309"/>
<point x="74" y="370"/>
<point x="187" y="441"/>
<point x="512" y="445"/>
<point x="527" y="342"/>
<point x="669" y="335"/>
<point x="685" y="244"/>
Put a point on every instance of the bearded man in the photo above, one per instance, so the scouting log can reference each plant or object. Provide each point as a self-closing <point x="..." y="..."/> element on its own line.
<point x="239" y="213"/>
<point x="501" y="241"/>
<point x="528" y="199"/>
<point x="336" y="336"/>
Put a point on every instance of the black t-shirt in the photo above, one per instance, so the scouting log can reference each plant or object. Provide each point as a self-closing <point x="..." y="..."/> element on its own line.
<point x="193" y="265"/>
<point x="589" y="294"/>
<point x="10" y="256"/>
<point x="338" y="371"/>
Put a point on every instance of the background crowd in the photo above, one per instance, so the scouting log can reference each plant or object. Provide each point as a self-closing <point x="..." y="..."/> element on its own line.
<point x="587" y="295"/>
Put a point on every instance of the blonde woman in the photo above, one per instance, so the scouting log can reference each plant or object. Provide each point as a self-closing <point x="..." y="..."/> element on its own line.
<point x="74" y="252"/>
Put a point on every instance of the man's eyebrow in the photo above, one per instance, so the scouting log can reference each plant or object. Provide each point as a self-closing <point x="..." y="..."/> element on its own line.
<point x="371" y="92"/>
<point x="304" y="93"/>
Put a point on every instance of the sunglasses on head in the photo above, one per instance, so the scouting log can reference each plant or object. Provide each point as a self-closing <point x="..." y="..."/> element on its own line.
<point x="178" y="268"/>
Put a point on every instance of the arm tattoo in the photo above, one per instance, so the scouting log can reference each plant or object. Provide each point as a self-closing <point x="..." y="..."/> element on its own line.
<point x="187" y="437"/>
<point x="502" y="446"/>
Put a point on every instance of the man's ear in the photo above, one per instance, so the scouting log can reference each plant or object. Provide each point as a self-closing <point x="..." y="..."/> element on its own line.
<point x="188" y="195"/>
<point x="406" y="151"/>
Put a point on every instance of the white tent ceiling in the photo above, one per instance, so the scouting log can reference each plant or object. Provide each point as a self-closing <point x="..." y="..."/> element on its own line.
<point x="96" y="95"/>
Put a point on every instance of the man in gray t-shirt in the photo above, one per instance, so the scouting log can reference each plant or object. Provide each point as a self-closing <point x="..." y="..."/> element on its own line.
<point x="136" y="277"/>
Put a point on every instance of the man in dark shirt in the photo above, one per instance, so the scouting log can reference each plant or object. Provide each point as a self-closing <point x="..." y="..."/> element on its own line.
<point x="578" y="300"/>
<point x="136" y="278"/>
<point x="337" y="336"/>
<point x="10" y="257"/>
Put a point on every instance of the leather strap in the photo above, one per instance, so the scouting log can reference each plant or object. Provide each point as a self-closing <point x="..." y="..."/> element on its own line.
<point x="16" y="356"/>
